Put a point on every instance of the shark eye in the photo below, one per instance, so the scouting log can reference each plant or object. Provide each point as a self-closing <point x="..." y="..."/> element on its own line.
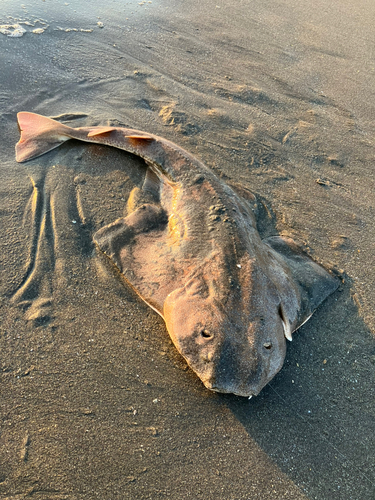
<point x="267" y="345"/>
<point x="206" y="334"/>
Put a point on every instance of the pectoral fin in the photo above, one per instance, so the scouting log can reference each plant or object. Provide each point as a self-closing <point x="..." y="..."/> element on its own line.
<point x="138" y="246"/>
<point x="312" y="282"/>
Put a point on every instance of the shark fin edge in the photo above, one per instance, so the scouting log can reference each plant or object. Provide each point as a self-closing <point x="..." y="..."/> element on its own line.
<point x="39" y="135"/>
<point x="101" y="131"/>
<point x="139" y="140"/>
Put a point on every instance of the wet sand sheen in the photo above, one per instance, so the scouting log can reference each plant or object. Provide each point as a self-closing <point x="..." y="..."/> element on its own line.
<point x="95" y="400"/>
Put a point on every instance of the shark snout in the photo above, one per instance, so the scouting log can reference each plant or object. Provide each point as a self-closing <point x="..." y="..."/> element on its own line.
<point x="231" y="387"/>
<point x="232" y="371"/>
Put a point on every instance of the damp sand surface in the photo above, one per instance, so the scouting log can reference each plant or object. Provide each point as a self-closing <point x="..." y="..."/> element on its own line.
<point x="95" y="400"/>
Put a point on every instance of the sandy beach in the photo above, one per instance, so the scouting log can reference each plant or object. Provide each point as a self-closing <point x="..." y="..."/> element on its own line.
<point x="95" y="401"/>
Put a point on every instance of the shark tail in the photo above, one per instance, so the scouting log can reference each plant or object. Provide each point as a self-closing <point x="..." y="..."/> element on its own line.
<point x="39" y="135"/>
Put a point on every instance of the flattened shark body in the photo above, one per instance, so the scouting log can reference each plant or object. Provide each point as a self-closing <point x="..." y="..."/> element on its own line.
<point x="191" y="249"/>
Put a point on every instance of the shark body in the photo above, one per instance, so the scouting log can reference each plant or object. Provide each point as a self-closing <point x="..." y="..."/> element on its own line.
<point x="190" y="248"/>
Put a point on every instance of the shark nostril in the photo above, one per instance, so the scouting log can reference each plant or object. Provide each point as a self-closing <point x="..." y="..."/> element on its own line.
<point x="206" y="357"/>
<point x="267" y="345"/>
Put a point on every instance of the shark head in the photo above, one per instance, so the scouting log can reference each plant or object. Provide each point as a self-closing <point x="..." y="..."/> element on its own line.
<point x="235" y="344"/>
<point x="231" y="322"/>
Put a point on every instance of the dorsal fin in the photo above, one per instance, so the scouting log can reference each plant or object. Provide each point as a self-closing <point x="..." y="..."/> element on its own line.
<point x="139" y="139"/>
<point x="100" y="131"/>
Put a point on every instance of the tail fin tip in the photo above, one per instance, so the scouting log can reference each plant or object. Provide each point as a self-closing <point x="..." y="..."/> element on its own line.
<point x="39" y="135"/>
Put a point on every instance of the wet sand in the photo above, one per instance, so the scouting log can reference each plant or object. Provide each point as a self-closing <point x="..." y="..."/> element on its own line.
<point x="95" y="400"/>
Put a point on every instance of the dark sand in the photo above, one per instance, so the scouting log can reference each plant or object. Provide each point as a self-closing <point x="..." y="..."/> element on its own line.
<point x="95" y="401"/>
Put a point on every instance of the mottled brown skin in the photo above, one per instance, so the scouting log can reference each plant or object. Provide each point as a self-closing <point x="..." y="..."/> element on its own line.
<point x="190" y="248"/>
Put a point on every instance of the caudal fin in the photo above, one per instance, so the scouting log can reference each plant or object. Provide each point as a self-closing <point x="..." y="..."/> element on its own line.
<point x="39" y="135"/>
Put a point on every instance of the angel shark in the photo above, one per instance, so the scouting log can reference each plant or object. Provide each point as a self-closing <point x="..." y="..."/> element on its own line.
<point x="190" y="248"/>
